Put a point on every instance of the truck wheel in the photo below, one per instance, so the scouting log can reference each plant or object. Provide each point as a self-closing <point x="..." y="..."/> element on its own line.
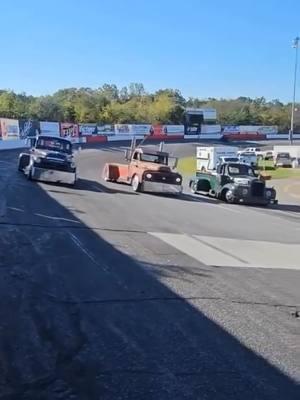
<point x="193" y="187"/>
<point x="135" y="183"/>
<point x="229" y="198"/>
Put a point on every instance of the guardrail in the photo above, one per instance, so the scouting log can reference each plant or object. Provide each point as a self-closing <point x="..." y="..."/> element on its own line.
<point x="22" y="143"/>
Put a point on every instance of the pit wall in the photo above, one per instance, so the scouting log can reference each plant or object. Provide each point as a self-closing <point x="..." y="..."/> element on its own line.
<point x="14" y="133"/>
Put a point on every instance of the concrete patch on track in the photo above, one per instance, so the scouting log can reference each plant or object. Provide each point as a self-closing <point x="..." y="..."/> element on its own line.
<point x="224" y="252"/>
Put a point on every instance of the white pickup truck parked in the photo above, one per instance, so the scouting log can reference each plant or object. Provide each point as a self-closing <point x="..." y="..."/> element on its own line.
<point x="260" y="154"/>
<point x="249" y="159"/>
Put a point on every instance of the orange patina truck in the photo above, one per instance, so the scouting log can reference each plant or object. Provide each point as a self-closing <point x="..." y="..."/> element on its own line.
<point x="146" y="171"/>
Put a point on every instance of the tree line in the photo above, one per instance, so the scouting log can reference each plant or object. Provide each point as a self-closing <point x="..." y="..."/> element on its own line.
<point x="132" y="104"/>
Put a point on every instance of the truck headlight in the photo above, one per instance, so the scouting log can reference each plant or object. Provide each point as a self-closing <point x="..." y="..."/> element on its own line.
<point x="72" y="164"/>
<point x="245" y="191"/>
<point x="178" y="180"/>
<point x="37" y="160"/>
<point x="269" y="193"/>
<point x="148" y="176"/>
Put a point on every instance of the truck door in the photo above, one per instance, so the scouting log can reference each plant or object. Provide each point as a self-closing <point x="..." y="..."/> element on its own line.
<point x="225" y="178"/>
<point x="133" y="166"/>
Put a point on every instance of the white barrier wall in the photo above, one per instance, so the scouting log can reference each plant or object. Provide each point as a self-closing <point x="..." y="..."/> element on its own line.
<point x="50" y="128"/>
<point x="13" y="144"/>
<point x="11" y="131"/>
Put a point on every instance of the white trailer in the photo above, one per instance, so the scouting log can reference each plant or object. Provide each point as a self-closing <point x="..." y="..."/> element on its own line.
<point x="209" y="157"/>
<point x="292" y="150"/>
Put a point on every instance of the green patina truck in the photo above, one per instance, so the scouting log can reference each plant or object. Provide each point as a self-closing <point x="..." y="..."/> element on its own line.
<point x="234" y="182"/>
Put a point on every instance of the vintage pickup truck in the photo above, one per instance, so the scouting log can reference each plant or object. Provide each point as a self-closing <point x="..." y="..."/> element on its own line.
<point x="50" y="159"/>
<point x="146" y="171"/>
<point x="234" y="183"/>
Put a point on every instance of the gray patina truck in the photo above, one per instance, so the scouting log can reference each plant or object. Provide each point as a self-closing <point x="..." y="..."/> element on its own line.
<point x="49" y="159"/>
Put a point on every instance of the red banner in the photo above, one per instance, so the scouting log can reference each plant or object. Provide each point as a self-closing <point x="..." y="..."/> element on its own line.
<point x="69" y="130"/>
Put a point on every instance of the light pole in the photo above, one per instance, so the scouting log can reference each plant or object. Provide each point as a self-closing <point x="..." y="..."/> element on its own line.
<point x="295" y="46"/>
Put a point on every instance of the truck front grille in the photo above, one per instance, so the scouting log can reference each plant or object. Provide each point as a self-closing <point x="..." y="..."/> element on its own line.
<point x="163" y="178"/>
<point x="58" y="166"/>
<point x="258" y="189"/>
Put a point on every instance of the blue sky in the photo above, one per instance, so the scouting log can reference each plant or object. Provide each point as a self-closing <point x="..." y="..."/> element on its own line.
<point x="221" y="48"/>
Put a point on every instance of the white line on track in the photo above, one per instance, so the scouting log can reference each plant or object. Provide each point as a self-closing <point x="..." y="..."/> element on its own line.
<point x="15" y="209"/>
<point x="87" y="252"/>
<point x="57" y="218"/>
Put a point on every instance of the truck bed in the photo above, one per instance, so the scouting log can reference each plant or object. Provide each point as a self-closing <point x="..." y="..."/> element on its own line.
<point x="116" y="172"/>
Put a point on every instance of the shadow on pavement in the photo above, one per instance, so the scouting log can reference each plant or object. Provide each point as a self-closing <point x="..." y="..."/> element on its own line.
<point x="287" y="207"/>
<point x="82" y="320"/>
<point x="95" y="186"/>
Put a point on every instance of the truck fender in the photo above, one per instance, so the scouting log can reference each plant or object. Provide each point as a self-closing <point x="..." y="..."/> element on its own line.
<point x="225" y="189"/>
<point x="24" y="161"/>
<point x="200" y="185"/>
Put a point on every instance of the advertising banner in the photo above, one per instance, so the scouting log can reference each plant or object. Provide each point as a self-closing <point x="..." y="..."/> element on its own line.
<point x="50" y="128"/>
<point x="261" y="129"/>
<point x="122" y="129"/>
<point x="29" y="128"/>
<point x="174" y="130"/>
<point x="9" y="129"/>
<point x="87" y="129"/>
<point x="106" y="129"/>
<point x="140" y="130"/>
<point x="166" y="132"/>
<point x="268" y="130"/>
<point x="132" y="129"/>
<point x="208" y="129"/>
<point x="231" y="129"/>
<point x="69" y="130"/>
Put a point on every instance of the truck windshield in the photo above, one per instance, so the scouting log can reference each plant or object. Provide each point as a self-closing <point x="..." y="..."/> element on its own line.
<point x="240" y="169"/>
<point x="283" y="155"/>
<point x="231" y="159"/>
<point x="54" y="144"/>
<point x="154" y="158"/>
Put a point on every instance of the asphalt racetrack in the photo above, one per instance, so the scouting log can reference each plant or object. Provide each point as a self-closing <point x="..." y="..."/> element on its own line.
<point x="108" y="294"/>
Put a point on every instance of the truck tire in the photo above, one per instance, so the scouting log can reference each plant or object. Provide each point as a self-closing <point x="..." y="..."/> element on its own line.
<point x="135" y="183"/>
<point x="228" y="195"/>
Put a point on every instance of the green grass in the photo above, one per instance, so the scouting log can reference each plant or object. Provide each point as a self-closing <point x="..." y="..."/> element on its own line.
<point x="187" y="167"/>
<point x="267" y="167"/>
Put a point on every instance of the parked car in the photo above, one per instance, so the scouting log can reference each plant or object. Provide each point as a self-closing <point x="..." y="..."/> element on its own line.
<point x="253" y="150"/>
<point x="249" y="159"/>
<point x="283" y="160"/>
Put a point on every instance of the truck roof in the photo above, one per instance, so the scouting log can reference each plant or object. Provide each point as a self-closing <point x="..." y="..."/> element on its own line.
<point x="53" y="137"/>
